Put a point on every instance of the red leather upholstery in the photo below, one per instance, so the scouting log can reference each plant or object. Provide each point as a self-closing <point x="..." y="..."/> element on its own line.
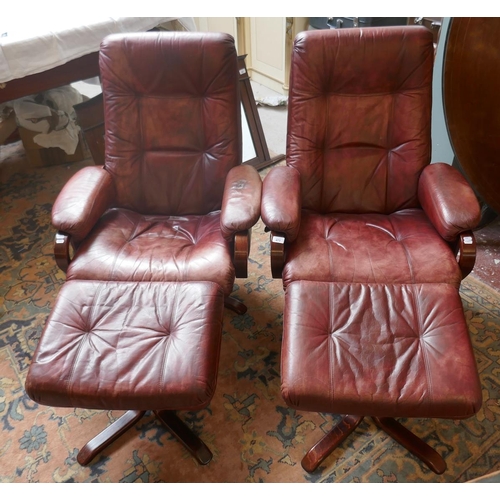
<point x="127" y="246"/>
<point x="241" y="201"/>
<point x="373" y="322"/>
<point x="358" y="149"/>
<point x="360" y="142"/>
<point x="155" y="211"/>
<point x="402" y="247"/>
<point x="115" y="345"/>
<point x="448" y="200"/>
<point x="282" y="201"/>
<point x="82" y="201"/>
<point x="172" y="119"/>
<point x="159" y="233"/>
<point x="379" y="350"/>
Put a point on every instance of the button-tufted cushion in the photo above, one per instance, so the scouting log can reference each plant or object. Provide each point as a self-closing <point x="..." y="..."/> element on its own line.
<point x="129" y="346"/>
<point x="172" y="119"/>
<point x="379" y="350"/>
<point x="402" y="247"/>
<point x="359" y="117"/>
<point x="127" y="246"/>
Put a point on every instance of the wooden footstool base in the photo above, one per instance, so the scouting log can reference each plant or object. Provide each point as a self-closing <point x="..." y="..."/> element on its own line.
<point x="131" y="346"/>
<point x="384" y="351"/>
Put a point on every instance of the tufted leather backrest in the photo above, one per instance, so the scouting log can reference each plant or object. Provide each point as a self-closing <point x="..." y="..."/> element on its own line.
<point x="172" y="119"/>
<point x="359" y="117"/>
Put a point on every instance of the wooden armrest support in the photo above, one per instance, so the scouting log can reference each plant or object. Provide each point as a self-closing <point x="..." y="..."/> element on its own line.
<point x="62" y="250"/>
<point x="277" y="253"/>
<point x="465" y="252"/>
<point x="241" y="251"/>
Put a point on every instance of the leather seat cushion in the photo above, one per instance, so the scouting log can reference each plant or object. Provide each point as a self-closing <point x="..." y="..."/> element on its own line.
<point x="380" y="350"/>
<point x="402" y="247"/>
<point x="129" y="346"/>
<point x="127" y="246"/>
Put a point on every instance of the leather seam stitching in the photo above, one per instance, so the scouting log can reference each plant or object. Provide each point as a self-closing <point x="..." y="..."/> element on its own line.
<point x="90" y="320"/>
<point x="423" y="346"/>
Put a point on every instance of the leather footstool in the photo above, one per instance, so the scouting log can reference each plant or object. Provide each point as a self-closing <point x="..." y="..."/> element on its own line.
<point x="131" y="346"/>
<point x="400" y="350"/>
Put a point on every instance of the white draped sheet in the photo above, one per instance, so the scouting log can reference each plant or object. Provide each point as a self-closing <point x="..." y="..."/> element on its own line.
<point x="30" y="46"/>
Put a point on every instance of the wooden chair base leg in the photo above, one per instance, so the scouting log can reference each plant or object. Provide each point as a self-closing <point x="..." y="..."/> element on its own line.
<point x="108" y="435"/>
<point x="179" y="429"/>
<point x="412" y="443"/>
<point x="235" y="305"/>
<point x="320" y="451"/>
<point x="185" y="435"/>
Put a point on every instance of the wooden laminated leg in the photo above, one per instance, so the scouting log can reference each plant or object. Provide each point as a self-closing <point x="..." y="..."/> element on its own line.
<point x="185" y="435"/>
<point x="465" y="252"/>
<point x="277" y="243"/>
<point x="179" y="429"/>
<point x="235" y="305"/>
<point x="108" y="435"/>
<point x="320" y="451"/>
<point x="241" y="252"/>
<point x="412" y="443"/>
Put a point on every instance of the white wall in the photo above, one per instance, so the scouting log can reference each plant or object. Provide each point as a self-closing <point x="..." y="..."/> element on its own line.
<point x="441" y="146"/>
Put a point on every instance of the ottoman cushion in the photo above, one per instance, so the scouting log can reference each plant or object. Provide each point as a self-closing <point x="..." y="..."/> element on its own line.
<point x="130" y="346"/>
<point x="400" y="350"/>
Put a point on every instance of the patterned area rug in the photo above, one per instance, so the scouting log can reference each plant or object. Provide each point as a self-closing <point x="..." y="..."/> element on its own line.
<point x="253" y="435"/>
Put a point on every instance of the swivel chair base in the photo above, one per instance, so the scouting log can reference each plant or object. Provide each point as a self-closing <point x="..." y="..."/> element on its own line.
<point x="323" y="448"/>
<point x="177" y="427"/>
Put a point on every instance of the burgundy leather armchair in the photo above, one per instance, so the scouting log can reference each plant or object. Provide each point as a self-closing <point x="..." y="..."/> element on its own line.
<point x="366" y="235"/>
<point x="152" y="240"/>
<point x="172" y="202"/>
<point x="357" y="172"/>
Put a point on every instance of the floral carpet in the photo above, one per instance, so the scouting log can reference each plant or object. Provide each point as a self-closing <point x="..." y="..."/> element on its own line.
<point x="253" y="435"/>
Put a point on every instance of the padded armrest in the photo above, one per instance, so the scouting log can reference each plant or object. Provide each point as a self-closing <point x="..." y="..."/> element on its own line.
<point x="82" y="201"/>
<point x="240" y="209"/>
<point x="448" y="200"/>
<point x="281" y="201"/>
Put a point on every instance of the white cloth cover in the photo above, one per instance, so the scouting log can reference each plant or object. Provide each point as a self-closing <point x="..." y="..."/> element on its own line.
<point x="29" y="45"/>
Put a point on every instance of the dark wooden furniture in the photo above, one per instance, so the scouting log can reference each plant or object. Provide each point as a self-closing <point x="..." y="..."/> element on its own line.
<point x="262" y="156"/>
<point x="83" y="68"/>
<point x="471" y="98"/>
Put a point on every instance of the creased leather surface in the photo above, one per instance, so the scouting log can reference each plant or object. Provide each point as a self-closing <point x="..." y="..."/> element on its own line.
<point x="126" y="246"/>
<point x="359" y="117"/>
<point x="83" y="199"/>
<point x="241" y="201"/>
<point x="402" y="247"/>
<point x="448" y="200"/>
<point x="281" y="201"/>
<point x="172" y="119"/>
<point x="127" y="346"/>
<point x="381" y="350"/>
<point x="173" y="133"/>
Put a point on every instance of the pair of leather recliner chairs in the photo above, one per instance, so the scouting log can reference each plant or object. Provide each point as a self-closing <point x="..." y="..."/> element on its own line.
<point x="357" y="215"/>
